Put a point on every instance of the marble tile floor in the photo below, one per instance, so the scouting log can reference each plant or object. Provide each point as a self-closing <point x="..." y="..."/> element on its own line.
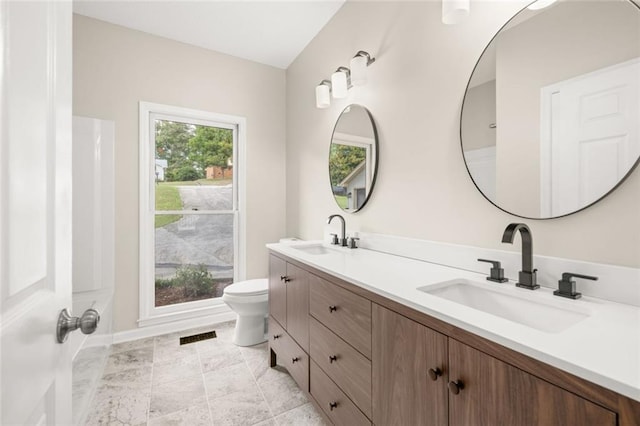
<point x="155" y="381"/>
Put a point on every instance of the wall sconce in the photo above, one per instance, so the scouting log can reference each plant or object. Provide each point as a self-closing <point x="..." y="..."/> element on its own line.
<point x="359" y="64"/>
<point x="454" y="11"/>
<point x="323" y="90"/>
<point x="343" y="79"/>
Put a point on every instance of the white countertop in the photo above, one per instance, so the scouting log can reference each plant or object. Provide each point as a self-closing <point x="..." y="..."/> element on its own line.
<point x="604" y="348"/>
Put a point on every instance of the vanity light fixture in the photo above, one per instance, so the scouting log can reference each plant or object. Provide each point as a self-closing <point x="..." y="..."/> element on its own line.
<point x="359" y="64"/>
<point x="340" y="82"/>
<point x="540" y="4"/>
<point x="344" y="79"/>
<point x="454" y="11"/>
<point x="323" y="90"/>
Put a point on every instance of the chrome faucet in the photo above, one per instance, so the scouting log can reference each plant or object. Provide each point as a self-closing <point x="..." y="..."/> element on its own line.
<point x="527" y="277"/>
<point x="343" y="238"/>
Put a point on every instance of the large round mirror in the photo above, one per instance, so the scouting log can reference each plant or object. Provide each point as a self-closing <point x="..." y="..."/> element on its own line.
<point x="550" y="121"/>
<point x="353" y="158"/>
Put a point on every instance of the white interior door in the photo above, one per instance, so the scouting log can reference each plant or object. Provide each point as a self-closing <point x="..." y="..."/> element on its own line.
<point x="35" y="211"/>
<point x="595" y="134"/>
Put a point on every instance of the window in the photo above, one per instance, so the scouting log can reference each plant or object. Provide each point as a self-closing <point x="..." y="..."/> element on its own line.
<point x="190" y="245"/>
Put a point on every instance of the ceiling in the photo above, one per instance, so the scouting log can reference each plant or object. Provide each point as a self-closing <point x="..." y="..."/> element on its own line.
<point x="269" y="32"/>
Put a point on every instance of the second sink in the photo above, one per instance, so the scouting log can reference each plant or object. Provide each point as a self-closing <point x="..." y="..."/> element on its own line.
<point x="538" y="314"/>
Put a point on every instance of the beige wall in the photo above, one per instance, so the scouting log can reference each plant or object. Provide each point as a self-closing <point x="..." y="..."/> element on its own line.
<point x="114" y="68"/>
<point x="535" y="52"/>
<point x="414" y="92"/>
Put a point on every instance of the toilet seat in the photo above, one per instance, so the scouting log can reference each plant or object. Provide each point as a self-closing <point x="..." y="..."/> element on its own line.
<point x="256" y="287"/>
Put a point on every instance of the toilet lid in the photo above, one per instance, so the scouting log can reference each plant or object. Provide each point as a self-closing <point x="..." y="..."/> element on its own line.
<point x="248" y="288"/>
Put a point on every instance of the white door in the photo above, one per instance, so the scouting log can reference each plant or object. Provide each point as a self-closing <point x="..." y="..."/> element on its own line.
<point x="35" y="211"/>
<point x="595" y="134"/>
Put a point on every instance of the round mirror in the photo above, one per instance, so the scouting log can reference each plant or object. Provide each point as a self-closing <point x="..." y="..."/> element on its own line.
<point x="550" y="121"/>
<point x="353" y="158"/>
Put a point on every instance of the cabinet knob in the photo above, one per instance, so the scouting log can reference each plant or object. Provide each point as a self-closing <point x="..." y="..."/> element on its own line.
<point x="333" y="405"/>
<point x="456" y="386"/>
<point x="295" y="359"/>
<point x="333" y="308"/>
<point x="286" y="279"/>
<point x="332" y="358"/>
<point x="282" y="277"/>
<point x="434" y="373"/>
<point x="277" y="336"/>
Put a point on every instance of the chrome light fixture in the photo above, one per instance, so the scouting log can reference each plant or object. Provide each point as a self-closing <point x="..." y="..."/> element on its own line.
<point x="359" y="64"/>
<point x="323" y="90"/>
<point x="343" y="79"/>
<point x="454" y="11"/>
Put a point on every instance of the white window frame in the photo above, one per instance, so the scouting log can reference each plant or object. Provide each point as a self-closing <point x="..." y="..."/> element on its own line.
<point x="149" y="314"/>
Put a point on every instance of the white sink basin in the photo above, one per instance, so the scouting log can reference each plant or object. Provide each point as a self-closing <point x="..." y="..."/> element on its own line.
<point x="511" y="304"/>
<point x="313" y="249"/>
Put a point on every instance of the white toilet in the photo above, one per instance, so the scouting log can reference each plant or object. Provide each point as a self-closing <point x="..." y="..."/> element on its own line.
<point x="250" y="301"/>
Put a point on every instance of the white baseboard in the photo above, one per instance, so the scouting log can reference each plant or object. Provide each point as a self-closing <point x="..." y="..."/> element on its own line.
<point x="174" y="326"/>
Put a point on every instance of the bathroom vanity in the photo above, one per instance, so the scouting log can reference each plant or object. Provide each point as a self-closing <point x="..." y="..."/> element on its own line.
<point x="367" y="336"/>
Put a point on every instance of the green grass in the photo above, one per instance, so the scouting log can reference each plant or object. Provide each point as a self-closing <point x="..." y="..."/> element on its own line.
<point x="342" y="201"/>
<point x="167" y="198"/>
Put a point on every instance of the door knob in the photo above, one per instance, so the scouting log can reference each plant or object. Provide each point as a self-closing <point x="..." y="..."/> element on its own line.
<point x="87" y="323"/>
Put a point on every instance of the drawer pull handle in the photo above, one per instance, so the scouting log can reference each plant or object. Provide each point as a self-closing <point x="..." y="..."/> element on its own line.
<point x="332" y="358"/>
<point x="295" y="359"/>
<point x="434" y="373"/>
<point x="456" y="387"/>
<point x="277" y="336"/>
<point x="333" y="308"/>
<point x="333" y="405"/>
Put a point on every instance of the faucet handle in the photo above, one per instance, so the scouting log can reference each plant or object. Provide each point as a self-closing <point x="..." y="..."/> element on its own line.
<point x="496" y="273"/>
<point x="334" y="239"/>
<point x="567" y="286"/>
<point x="352" y="242"/>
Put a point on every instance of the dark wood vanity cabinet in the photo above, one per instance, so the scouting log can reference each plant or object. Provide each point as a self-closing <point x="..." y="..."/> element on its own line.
<point x="409" y="371"/>
<point x="289" y="318"/>
<point x="423" y="377"/>
<point x="496" y="393"/>
<point x="365" y="359"/>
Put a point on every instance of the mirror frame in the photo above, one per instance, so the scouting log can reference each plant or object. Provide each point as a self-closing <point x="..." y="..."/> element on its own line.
<point x="375" y="162"/>
<point x="631" y="169"/>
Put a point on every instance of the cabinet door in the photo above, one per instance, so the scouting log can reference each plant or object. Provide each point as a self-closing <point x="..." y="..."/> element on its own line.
<point x="496" y="393"/>
<point x="403" y="351"/>
<point x="278" y="290"/>
<point x="298" y="305"/>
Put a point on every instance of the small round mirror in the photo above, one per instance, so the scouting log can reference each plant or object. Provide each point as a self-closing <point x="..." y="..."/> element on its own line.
<point x="353" y="158"/>
<point x="550" y="121"/>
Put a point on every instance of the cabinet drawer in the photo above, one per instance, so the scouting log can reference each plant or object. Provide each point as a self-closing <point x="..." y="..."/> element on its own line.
<point x="289" y="354"/>
<point x="345" y="313"/>
<point x="277" y="336"/>
<point x="336" y="405"/>
<point x="348" y="368"/>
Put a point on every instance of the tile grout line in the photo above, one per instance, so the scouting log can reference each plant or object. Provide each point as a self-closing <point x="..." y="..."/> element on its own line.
<point x="244" y="358"/>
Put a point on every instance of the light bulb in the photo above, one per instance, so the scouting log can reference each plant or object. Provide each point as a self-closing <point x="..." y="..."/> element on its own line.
<point x="540" y="4"/>
<point x="339" y="84"/>
<point x="359" y="70"/>
<point x="454" y="11"/>
<point x="322" y="96"/>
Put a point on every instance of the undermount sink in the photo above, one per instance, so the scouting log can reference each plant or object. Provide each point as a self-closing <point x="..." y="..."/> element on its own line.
<point x="313" y="249"/>
<point x="525" y="309"/>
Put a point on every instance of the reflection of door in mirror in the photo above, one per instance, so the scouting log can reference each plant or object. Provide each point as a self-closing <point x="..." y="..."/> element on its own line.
<point x="589" y="136"/>
<point x="565" y="46"/>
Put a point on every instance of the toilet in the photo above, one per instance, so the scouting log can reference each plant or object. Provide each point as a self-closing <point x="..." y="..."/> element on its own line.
<point x="250" y="301"/>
